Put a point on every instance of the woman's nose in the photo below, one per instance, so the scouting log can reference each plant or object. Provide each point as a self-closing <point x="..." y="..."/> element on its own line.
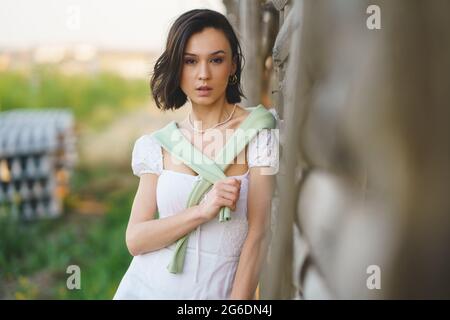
<point x="203" y="72"/>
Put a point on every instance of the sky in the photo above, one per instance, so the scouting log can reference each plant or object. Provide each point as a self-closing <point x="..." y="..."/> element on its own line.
<point x="109" y="24"/>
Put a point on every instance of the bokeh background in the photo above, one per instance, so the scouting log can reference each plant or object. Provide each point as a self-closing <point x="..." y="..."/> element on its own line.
<point x="87" y="64"/>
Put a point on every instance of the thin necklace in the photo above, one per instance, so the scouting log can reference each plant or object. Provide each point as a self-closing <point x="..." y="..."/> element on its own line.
<point x="215" y="126"/>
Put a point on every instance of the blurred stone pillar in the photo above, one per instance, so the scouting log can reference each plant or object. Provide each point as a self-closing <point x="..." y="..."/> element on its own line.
<point x="250" y="29"/>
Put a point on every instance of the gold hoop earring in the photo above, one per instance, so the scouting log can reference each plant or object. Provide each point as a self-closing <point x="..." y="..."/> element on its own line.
<point x="233" y="79"/>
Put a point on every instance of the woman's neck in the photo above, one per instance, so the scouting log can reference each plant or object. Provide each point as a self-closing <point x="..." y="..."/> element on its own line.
<point x="206" y="116"/>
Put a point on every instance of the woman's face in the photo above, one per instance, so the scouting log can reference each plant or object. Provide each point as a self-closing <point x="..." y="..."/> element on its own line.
<point x="207" y="61"/>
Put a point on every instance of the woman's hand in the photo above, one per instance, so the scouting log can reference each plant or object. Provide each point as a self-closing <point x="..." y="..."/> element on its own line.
<point x="224" y="193"/>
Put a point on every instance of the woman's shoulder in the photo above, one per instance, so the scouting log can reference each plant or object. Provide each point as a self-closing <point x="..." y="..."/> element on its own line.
<point x="146" y="155"/>
<point x="263" y="149"/>
<point x="271" y="110"/>
<point x="146" y="141"/>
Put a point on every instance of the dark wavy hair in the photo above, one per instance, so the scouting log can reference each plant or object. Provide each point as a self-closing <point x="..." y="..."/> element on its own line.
<point x="165" y="80"/>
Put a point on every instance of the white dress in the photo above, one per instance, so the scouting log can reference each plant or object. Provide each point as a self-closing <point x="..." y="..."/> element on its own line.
<point x="213" y="249"/>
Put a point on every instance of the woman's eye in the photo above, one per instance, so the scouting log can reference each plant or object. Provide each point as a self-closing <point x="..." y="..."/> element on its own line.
<point x="189" y="61"/>
<point x="217" y="60"/>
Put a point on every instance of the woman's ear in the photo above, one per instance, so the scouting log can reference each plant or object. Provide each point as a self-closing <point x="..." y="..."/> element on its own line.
<point x="233" y="66"/>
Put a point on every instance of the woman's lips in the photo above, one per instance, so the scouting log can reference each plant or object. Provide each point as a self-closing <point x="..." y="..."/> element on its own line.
<point x="203" y="92"/>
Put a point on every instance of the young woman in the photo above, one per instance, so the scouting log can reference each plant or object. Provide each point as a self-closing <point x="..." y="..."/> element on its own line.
<point x="201" y="63"/>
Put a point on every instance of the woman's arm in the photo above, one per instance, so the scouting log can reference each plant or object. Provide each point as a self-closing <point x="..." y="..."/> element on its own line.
<point x="256" y="244"/>
<point x="144" y="233"/>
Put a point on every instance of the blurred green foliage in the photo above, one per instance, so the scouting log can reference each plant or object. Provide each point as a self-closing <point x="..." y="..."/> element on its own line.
<point x="95" y="99"/>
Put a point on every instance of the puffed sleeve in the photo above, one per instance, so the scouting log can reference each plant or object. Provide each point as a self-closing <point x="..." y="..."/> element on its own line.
<point x="146" y="156"/>
<point x="263" y="149"/>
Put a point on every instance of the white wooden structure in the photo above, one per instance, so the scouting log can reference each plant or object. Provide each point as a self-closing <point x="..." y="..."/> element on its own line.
<point x="37" y="155"/>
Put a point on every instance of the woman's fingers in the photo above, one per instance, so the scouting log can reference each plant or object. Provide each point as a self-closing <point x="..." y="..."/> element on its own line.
<point x="223" y="198"/>
<point x="229" y="182"/>
<point x="229" y="188"/>
<point x="233" y="196"/>
<point x="230" y="199"/>
<point x="228" y="203"/>
<point x="227" y="192"/>
<point x="233" y="181"/>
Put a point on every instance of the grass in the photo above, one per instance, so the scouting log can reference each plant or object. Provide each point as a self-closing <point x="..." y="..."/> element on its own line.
<point x="34" y="257"/>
